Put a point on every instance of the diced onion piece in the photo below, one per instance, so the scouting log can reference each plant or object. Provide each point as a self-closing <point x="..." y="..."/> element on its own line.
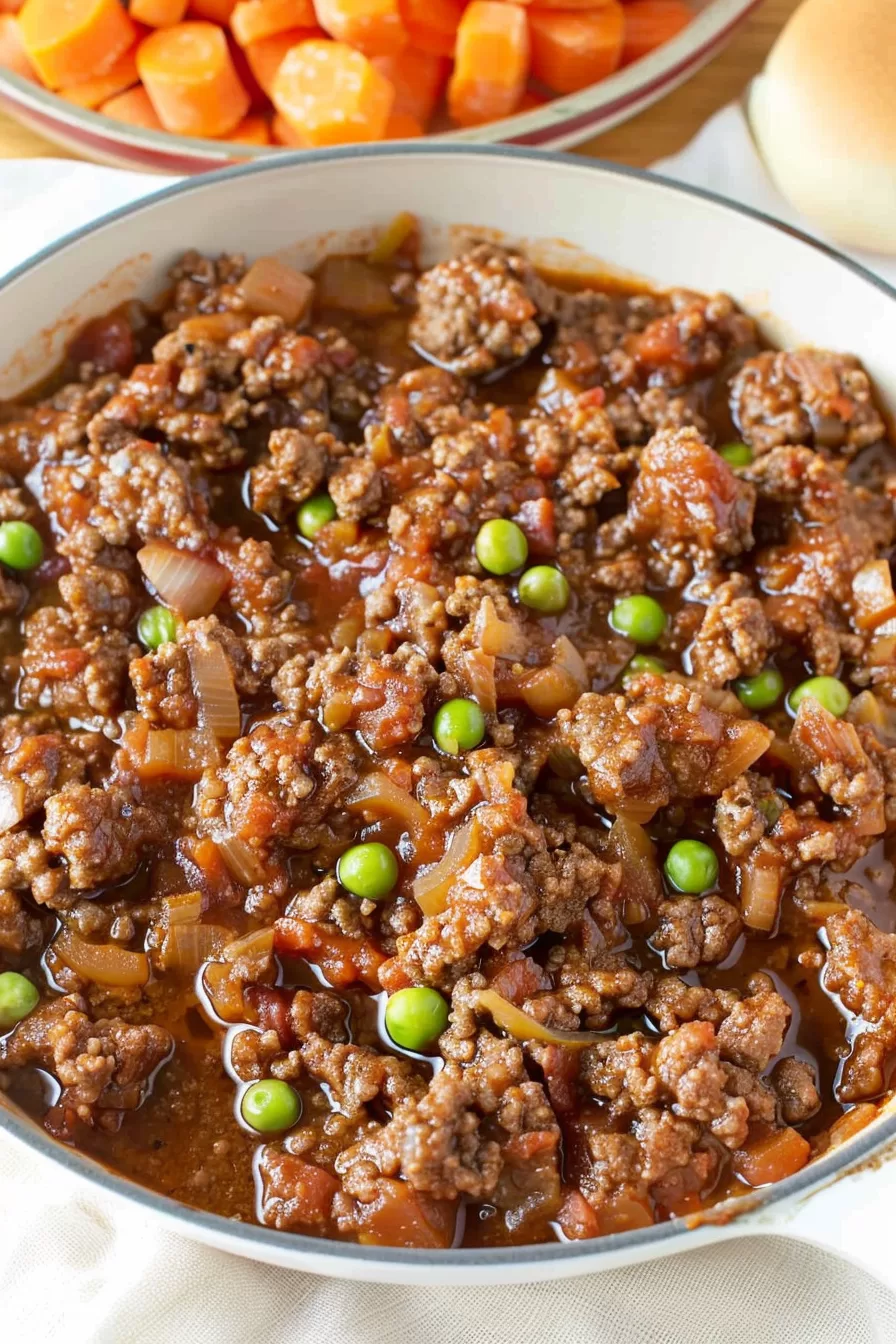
<point x="270" y="286"/>
<point x="642" y="886"/>
<point x="819" y="739"/>
<point x="103" y="963"/>
<point x="557" y="686"/>
<point x="772" y="1158"/>
<point x="479" y="675"/>
<point x="379" y="796"/>
<point x="874" y="601"/>
<point x="623" y="1213"/>
<point x="393" y="236"/>
<point x="219" y="706"/>
<point x="881" y="650"/>
<point x="761" y="883"/>
<point x="12" y="803"/>
<point x="225" y="987"/>
<point x="242" y="860"/>
<point x="716" y="697"/>
<point x="185" y="908"/>
<point x="351" y="284"/>
<point x="215" y="328"/>
<point x="819" y="911"/>
<point x="852" y="1123"/>
<point x="867" y="710"/>
<point x="556" y="390"/>
<point x="346" y="631"/>
<point x="186" y="946"/>
<point x="780" y="752"/>
<point x="746" y="742"/>
<point x="178" y="753"/>
<point x="430" y="889"/>
<point x="501" y="639"/>
<point x="525" y="1028"/>
<point x="637" y="811"/>
<point x="192" y="584"/>
<point x="256" y="946"/>
<point x="245" y="960"/>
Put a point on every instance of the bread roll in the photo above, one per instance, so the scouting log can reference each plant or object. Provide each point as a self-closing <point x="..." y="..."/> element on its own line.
<point x="823" y="115"/>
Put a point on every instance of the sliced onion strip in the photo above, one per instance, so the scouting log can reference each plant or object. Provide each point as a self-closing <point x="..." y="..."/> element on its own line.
<point x="12" y="803"/>
<point x="178" y="753"/>
<point x="393" y="236"/>
<point x="185" y="908"/>
<point x="103" y="963"/>
<point x="526" y="1028"/>
<point x="186" y="946"/>
<point x="380" y="796"/>
<point x="192" y="584"/>
<point x="642" y="886"/>
<point x="219" y="706"/>
<point x="761" y="884"/>
<point x="242" y="860"/>
<point x="430" y="889"/>
<point x="874" y="602"/>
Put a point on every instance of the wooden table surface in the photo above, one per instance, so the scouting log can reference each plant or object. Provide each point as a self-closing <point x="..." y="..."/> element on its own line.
<point x="662" y="129"/>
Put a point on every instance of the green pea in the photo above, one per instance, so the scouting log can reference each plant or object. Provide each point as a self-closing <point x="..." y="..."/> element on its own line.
<point x="544" y="588"/>
<point x="17" y="998"/>
<point x="416" y="1017"/>
<point x="369" y="870"/>
<point x="642" y="662"/>
<point x="761" y="691"/>
<point x="156" y="626"/>
<point x="640" y="618"/>
<point x="830" y="693"/>
<point x="691" y="866"/>
<point x="270" y="1106"/>
<point x="21" y="546"/>
<point x="459" y="725"/>
<point x="501" y="546"/>
<point x="736" y="454"/>
<point x="314" y="514"/>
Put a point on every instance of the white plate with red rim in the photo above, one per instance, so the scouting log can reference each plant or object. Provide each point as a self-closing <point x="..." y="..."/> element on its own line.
<point x="557" y="124"/>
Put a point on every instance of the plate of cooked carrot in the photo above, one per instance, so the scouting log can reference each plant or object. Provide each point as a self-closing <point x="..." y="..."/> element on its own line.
<point x="186" y="85"/>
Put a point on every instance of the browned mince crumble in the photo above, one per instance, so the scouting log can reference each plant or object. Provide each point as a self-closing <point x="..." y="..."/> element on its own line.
<point x="170" y="888"/>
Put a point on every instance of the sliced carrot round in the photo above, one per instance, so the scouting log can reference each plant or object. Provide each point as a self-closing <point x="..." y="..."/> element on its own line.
<point x="252" y="20"/>
<point x="70" y="40"/>
<point x="572" y="49"/>
<point x="418" y="79"/>
<point x="134" y="108"/>
<point x="374" y="27"/>
<point x="283" y="133"/>
<point x="190" y="77"/>
<point x="216" y="11"/>
<point x="402" y="126"/>
<point x="432" y="25"/>
<point x="331" y="95"/>
<point x="158" y="13"/>
<point x="491" y="62"/>
<point x="252" y="130"/>
<point x="92" y="92"/>
<point x="13" y="56"/>
<point x="265" y="54"/>
<point x="650" y="23"/>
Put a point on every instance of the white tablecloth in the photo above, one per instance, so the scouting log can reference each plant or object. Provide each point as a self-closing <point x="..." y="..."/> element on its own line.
<point x="78" y="1269"/>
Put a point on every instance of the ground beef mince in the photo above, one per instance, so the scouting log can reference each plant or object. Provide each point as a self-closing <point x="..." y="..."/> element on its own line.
<point x="447" y="781"/>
